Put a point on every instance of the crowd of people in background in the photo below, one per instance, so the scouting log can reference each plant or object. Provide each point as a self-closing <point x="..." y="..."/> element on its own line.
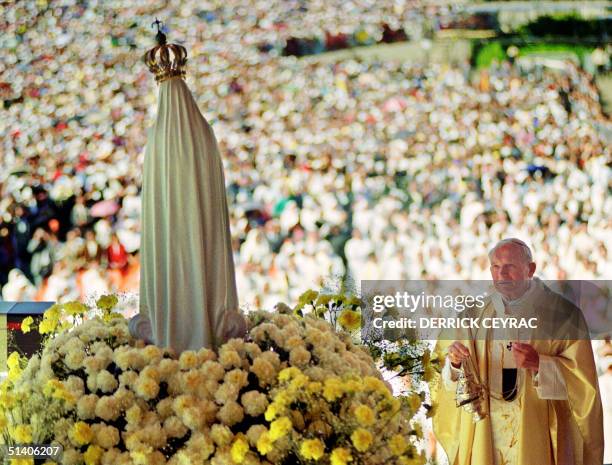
<point x="361" y="169"/>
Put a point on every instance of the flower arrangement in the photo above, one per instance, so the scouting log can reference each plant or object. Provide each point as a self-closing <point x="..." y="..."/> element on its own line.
<point x="294" y="391"/>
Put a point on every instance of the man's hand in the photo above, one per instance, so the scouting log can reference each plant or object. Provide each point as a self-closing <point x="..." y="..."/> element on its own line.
<point x="525" y="356"/>
<point x="457" y="352"/>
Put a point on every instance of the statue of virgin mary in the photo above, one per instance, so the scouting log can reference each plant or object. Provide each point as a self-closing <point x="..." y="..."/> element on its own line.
<point x="188" y="294"/>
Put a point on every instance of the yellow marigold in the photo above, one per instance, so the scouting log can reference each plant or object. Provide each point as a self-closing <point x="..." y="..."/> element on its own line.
<point x="22" y="434"/>
<point x="333" y="389"/>
<point x="51" y="386"/>
<point x="47" y="326"/>
<point x="26" y="323"/>
<point x="362" y="439"/>
<point x="352" y="385"/>
<point x="107" y="302"/>
<point x="265" y="443"/>
<point x="53" y="312"/>
<point x="414" y="401"/>
<point x="340" y="456"/>
<point x="374" y="384"/>
<point x="279" y="428"/>
<point x="93" y="455"/>
<point x="314" y="387"/>
<point x="81" y="434"/>
<point x="365" y="415"/>
<point x="398" y="444"/>
<point x="13" y="361"/>
<point x="272" y="411"/>
<point x="287" y="374"/>
<point x="350" y="320"/>
<point x="240" y="447"/>
<point x="312" y="449"/>
<point x="299" y="381"/>
<point x="74" y="308"/>
<point x="22" y="461"/>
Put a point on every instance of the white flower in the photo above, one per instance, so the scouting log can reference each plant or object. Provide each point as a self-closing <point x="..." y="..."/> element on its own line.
<point x="105" y="436"/>
<point x="229" y="358"/>
<point x="205" y="355"/>
<point x="167" y="367"/>
<point x="75" y="386"/>
<point x="237" y="377"/>
<point x="86" y="406"/>
<point x="174" y="427"/>
<point x="227" y="393"/>
<point x="111" y="457"/>
<point x="231" y="413"/>
<point x="72" y="457"/>
<point x="128" y="378"/>
<point x="146" y="387"/>
<point x="74" y="359"/>
<point x="106" y="382"/>
<point x="108" y="408"/>
<point x="299" y="357"/>
<point x="213" y="370"/>
<point x="254" y="432"/>
<point x="254" y="403"/>
<point x="125" y="398"/>
<point x="221" y="434"/>
<point x="164" y="408"/>
<point x="264" y="370"/>
<point x="133" y="416"/>
<point x="188" y="360"/>
<point x="93" y="364"/>
<point x="152" y="354"/>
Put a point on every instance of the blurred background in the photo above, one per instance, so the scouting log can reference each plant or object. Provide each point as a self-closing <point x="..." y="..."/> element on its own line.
<point x="365" y="139"/>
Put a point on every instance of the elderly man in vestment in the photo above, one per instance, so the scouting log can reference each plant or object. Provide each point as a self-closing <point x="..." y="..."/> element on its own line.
<point x="541" y="398"/>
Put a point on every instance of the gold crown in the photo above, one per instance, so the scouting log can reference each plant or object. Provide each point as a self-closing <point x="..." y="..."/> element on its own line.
<point x="165" y="60"/>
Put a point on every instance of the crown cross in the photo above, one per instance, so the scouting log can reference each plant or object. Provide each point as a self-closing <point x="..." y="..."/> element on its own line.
<point x="165" y="60"/>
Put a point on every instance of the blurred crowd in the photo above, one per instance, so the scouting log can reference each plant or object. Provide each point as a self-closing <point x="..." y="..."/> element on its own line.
<point x="360" y="169"/>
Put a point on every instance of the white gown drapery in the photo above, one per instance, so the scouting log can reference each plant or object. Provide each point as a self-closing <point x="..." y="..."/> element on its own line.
<point x="187" y="278"/>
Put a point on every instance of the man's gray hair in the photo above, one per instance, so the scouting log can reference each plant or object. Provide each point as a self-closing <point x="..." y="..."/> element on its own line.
<point x="526" y="251"/>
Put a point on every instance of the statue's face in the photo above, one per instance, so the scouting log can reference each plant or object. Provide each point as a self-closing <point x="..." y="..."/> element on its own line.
<point x="510" y="271"/>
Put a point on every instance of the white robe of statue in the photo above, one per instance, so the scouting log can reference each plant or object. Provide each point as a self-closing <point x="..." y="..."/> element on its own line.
<point x="187" y="281"/>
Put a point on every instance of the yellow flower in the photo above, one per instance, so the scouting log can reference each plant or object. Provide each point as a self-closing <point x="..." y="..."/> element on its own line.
<point x="47" y="326"/>
<point x="272" y="411"/>
<point x="53" y="312"/>
<point x="265" y="443"/>
<point x="240" y="447"/>
<point x="13" y="361"/>
<point x="93" y="455"/>
<point x="350" y="320"/>
<point x="74" y="308"/>
<point x="110" y="316"/>
<point x="287" y="374"/>
<point x="26" y="323"/>
<point x="340" y="456"/>
<point x="22" y="461"/>
<point x="107" y="302"/>
<point x="279" y="428"/>
<point x="333" y="389"/>
<point x="314" y="387"/>
<point x="398" y="444"/>
<point x="81" y="433"/>
<point x="365" y="415"/>
<point x="22" y="434"/>
<point x="414" y="401"/>
<point x="312" y="449"/>
<point x="362" y="439"/>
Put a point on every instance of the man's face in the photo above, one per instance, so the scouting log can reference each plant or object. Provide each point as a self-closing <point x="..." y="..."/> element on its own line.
<point x="510" y="271"/>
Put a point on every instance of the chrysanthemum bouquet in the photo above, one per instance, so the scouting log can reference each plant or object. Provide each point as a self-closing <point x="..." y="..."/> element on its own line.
<point x="293" y="391"/>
